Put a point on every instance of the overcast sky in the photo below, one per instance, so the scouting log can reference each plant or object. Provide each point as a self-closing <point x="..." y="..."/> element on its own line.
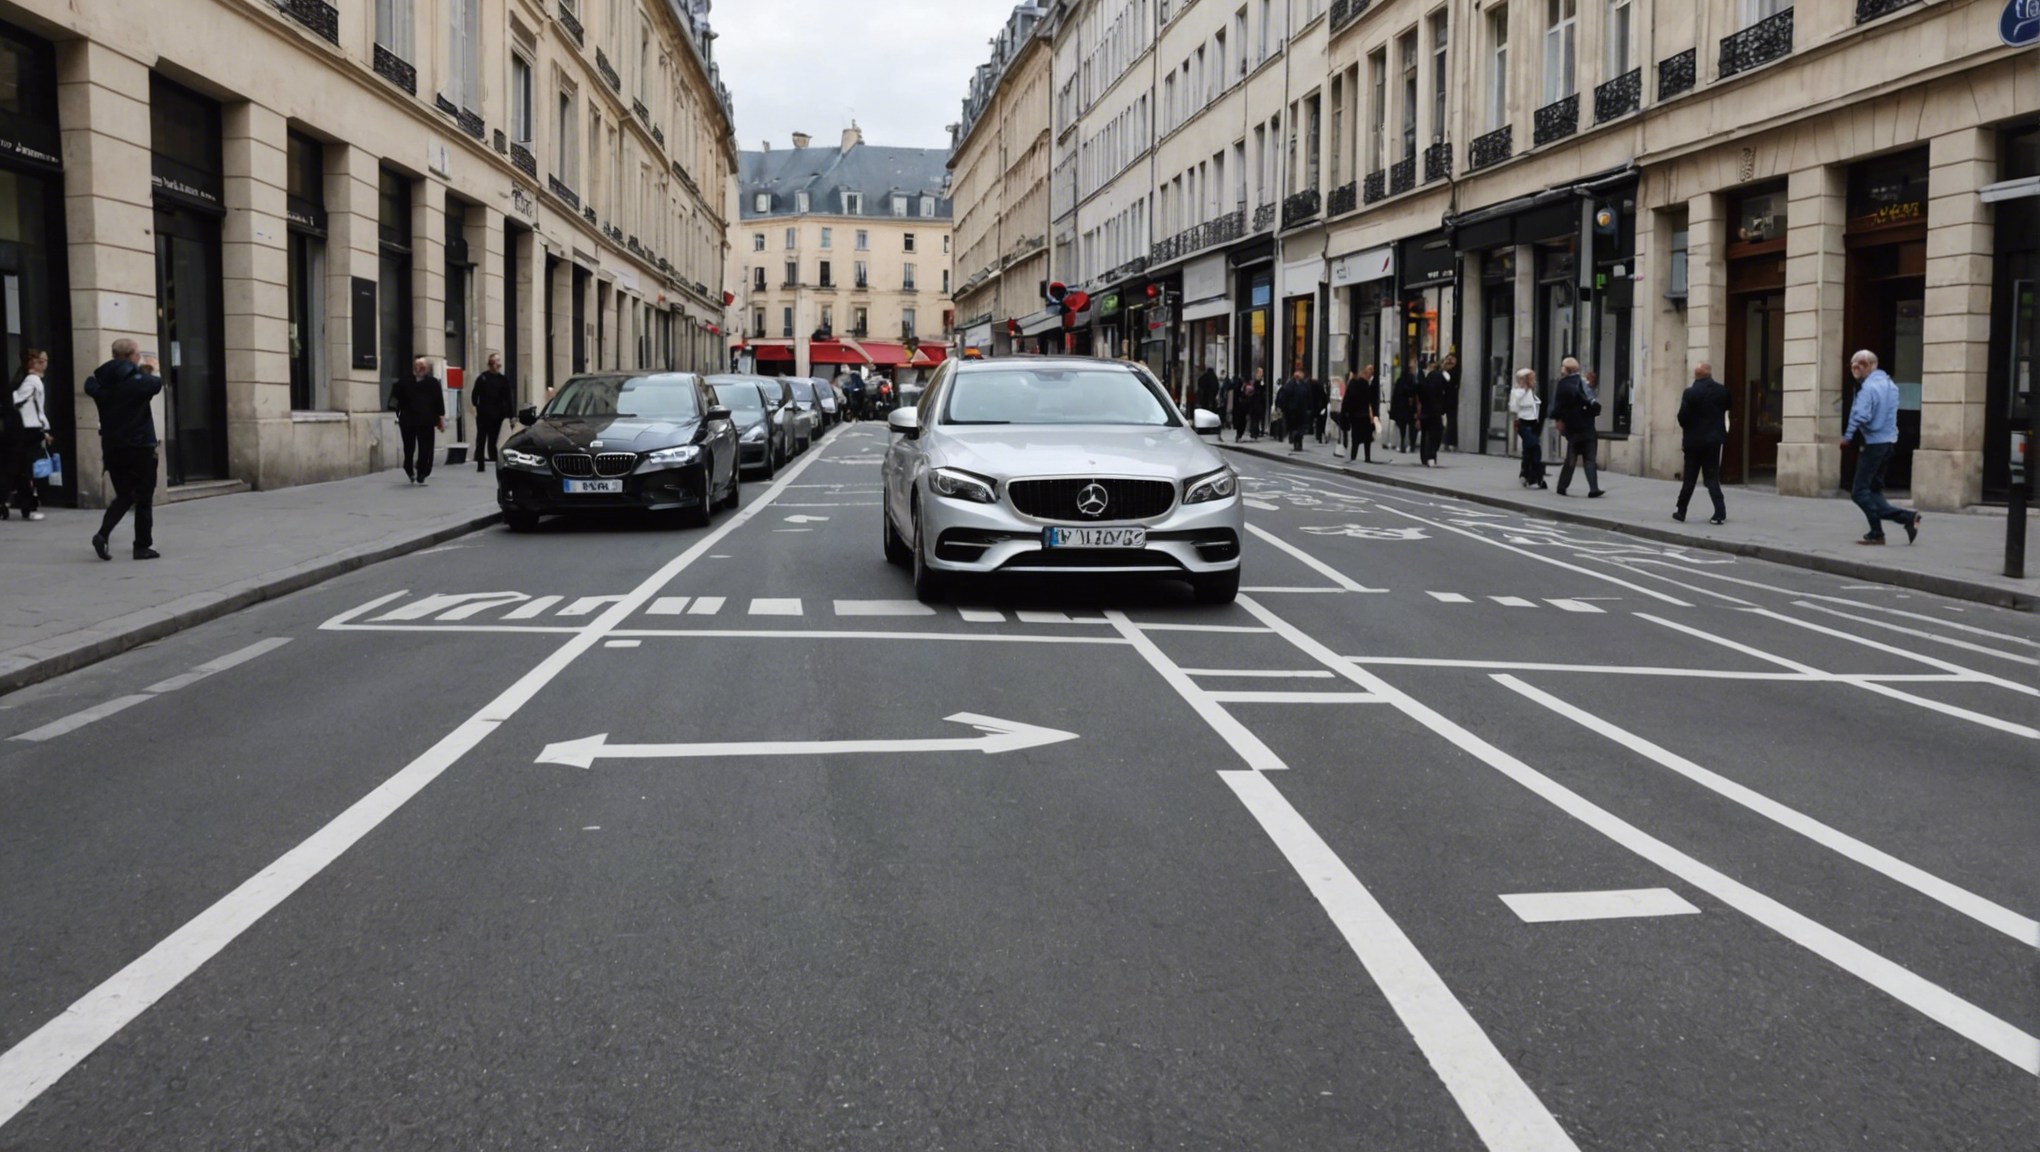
<point x="898" y="67"/>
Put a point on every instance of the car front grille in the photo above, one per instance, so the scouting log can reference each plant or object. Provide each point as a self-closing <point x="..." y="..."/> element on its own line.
<point x="574" y="464"/>
<point x="1061" y="499"/>
<point x="615" y="463"/>
<point x="580" y="464"/>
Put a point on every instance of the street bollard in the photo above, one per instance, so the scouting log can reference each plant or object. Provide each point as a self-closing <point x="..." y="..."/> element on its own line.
<point x="2015" y="515"/>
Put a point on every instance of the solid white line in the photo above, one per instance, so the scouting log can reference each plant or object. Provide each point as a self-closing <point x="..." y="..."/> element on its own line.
<point x="1848" y="602"/>
<point x="1931" y="1000"/>
<point x="706" y="606"/>
<point x="667" y="606"/>
<point x="1294" y="590"/>
<point x="230" y="660"/>
<point x="1917" y="657"/>
<point x="1513" y="602"/>
<point x="1250" y="697"/>
<point x="883" y="608"/>
<point x="1257" y="674"/>
<point x="1449" y="598"/>
<point x="1921" y="633"/>
<point x="1733" y="646"/>
<point x="790" y="634"/>
<point x="1650" y="592"/>
<point x="1575" y="606"/>
<point x="1982" y="718"/>
<point x="48" y="1053"/>
<point x="982" y="615"/>
<point x="533" y="610"/>
<point x="98" y="712"/>
<point x="1548" y="907"/>
<point x="1622" y="563"/>
<point x="1234" y="628"/>
<point x="77" y="720"/>
<point x="1504" y="1112"/>
<point x="775" y="607"/>
<point x="1317" y="565"/>
<point x="2021" y="928"/>
<point x="1594" y="669"/>
<point x="1259" y="505"/>
<point x="1257" y="755"/>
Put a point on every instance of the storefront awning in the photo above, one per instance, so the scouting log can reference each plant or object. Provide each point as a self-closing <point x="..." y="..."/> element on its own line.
<point x="885" y="353"/>
<point x="764" y="351"/>
<point x="1042" y="321"/>
<point x="835" y="352"/>
<point x="1207" y="309"/>
<point x="929" y="355"/>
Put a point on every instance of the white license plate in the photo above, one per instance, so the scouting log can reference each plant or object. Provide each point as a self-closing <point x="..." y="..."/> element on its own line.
<point x="1094" y="538"/>
<point x="614" y="487"/>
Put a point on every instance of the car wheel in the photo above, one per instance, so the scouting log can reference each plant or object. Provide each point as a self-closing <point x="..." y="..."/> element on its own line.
<point x="927" y="582"/>
<point x="771" y="465"/>
<point x="896" y="550"/>
<point x="519" y="521"/>
<point x="1217" y="588"/>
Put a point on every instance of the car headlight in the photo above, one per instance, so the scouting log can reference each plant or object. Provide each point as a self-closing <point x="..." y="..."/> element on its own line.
<point x="672" y="457"/>
<point x="1219" y="485"/>
<point x="962" y="486"/>
<point x="530" y="460"/>
<point x="754" y="433"/>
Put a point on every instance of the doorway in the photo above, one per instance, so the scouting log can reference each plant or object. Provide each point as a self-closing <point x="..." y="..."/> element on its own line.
<point x="190" y="338"/>
<point x="1499" y="307"/>
<point x="1754" y="374"/>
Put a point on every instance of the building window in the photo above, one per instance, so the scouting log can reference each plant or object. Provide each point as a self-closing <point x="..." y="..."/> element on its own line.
<point x="828" y="317"/>
<point x="1439" y="29"/>
<point x="1377" y="132"/>
<point x="1498" y="68"/>
<point x="863" y="275"/>
<point x="945" y="245"/>
<point x="853" y="203"/>
<point x="1756" y="11"/>
<point x="828" y="237"/>
<point x="1267" y="27"/>
<point x="1311" y="155"/>
<point x="859" y="321"/>
<point x="908" y="240"/>
<point x="762" y="202"/>
<point x="800" y="202"/>
<point x="757" y="321"/>
<point x="568" y="160"/>
<point x="1408" y="56"/>
<point x="464" y="53"/>
<point x="396" y="28"/>
<point x="927" y="206"/>
<point x="1616" y="36"/>
<point x="306" y="213"/>
<point x="945" y="281"/>
<point x="899" y="205"/>
<point x="786" y="322"/>
<point x="520" y="100"/>
<point x="907" y="278"/>
<point x="792" y="237"/>
<point x="792" y="273"/>
<point x="863" y="240"/>
<point x="906" y="322"/>
<point x="758" y="280"/>
<point x="757" y="241"/>
<point x="1561" y="26"/>
<point x="828" y="279"/>
<point x="1239" y="27"/>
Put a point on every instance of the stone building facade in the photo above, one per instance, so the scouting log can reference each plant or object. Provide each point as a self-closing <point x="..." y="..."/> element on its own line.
<point x="842" y="259"/>
<point x="288" y="200"/>
<point x="1641" y="183"/>
<point x="999" y="165"/>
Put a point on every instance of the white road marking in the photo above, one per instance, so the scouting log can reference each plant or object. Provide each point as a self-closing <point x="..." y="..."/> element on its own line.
<point x="1623" y="562"/>
<point x="1038" y="617"/>
<point x="883" y="608"/>
<point x="230" y="660"/>
<point x="1239" y="629"/>
<point x="441" y="601"/>
<point x="1290" y="590"/>
<point x="1246" y="697"/>
<point x="787" y="607"/>
<point x="999" y="736"/>
<point x="1921" y="633"/>
<point x="1688" y="673"/>
<point x="77" y="720"/>
<point x="1575" y="606"/>
<point x="982" y="615"/>
<point x="667" y="606"/>
<point x="621" y="643"/>
<point x="80" y="719"/>
<point x="1546" y="907"/>
<point x="1513" y="602"/>
<point x="1449" y="597"/>
<point x="793" y="529"/>
<point x="588" y="604"/>
<point x="1650" y="592"/>
<point x="477" y="607"/>
<point x="1257" y="755"/>
<point x="1259" y="505"/>
<point x="2021" y="928"/>
<point x="2021" y="640"/>
<point x="706" y="606"/>
<point x="532" y="610"/>
<point x="1504" y="1112"/>
<point x="803" y="518"/>
<point x="1981" y="718"/>
<point x="42" y="1058"/>
<point x="1258" y="674"/>
<point x="1317" y="565"/>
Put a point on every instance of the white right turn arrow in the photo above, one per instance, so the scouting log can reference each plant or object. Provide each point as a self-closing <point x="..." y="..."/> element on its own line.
<point x="999" y="736"/>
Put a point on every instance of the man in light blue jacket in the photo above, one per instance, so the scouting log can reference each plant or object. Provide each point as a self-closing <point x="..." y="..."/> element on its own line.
<point x="1875" y="414"/>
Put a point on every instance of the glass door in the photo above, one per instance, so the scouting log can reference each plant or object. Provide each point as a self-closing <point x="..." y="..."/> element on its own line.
<point x="1756" y="386"/>
<point x="188" y="327"/>
<point x="1501" y="344"/>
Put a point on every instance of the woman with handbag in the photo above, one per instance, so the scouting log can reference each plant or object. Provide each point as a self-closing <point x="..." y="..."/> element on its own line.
<point x="32" y="442"/>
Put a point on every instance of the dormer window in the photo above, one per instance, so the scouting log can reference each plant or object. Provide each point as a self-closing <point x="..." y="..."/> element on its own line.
<point x="762" y="202"/>
<point x="927" y="206"/>
<point x="899" y="205"/>
<point x="853" y="203"/>
<point x="800" y="201"/>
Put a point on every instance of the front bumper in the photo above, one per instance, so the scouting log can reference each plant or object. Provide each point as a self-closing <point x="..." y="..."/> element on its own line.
<point x="1190" y="539"/>
<point x="519" y="490"/>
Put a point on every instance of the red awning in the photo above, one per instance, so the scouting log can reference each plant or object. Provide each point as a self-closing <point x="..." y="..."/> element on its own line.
<point x="833" y="352"/>
<point x="885" y="354"/>
<point x="773" y="352"/>
<point x="929" y="355"/>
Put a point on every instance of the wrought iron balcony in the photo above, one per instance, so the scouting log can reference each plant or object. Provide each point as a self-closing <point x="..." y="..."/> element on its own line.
<point x="1375" y="187"/>
<point x="1344" y="12"/>
<point x="1343" y="199"/>
<point x="396" y="71"/>
<point x="643" y="113"/>
<point x="608" y="71"/>
<point x="1229" y="227"/>
<point x="1678" y="74"/>
<point x="572" y="25"/>
<point x="588" y="214"/>
<point x="1619" y="97"/>
<point x="563" y="192"/>
<point x="658" y="136"/>
<point x="1438" y="161"/>
<point x="1492" y="148"/>
<point x="1298" y="207"/>
<point x="1868" y="10"/>
<point x="440" y="102"/>
<point x="1760" y="43"/>
<point x="471" y="123"/>
<point x="1264" y="216"/>
<point x="502" y="142"/>
<point x="1402" y="176"/>
<point x="1557" y="120"/>
<point x="523" y="160"/>
<point x="318" y="16"/>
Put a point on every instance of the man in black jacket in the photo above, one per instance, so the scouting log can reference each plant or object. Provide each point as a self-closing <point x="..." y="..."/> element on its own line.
<point x="1573" y="408"/>
<point x="494" y="401"/>
<point x="123" y="387"/>
<point x="1703" y="417"/>
<point x="1293" y="401"/>
<point x="420" y="405"/>
<point x="1433" y="403"/>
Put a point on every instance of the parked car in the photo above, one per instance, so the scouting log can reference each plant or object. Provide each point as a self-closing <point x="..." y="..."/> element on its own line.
<point x="759" y="436"/>
<point x="800" y="425"/>
<point x="657" y="440"/>
<point x="1063" y="465"/>
<point x="804" y="396"/>
<point x="830" y="401"/>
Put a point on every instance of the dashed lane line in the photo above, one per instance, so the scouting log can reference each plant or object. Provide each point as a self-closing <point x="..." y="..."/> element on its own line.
<point x="97" y="712"/>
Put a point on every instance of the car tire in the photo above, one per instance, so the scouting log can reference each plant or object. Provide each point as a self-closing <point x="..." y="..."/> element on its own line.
<point x="1217" y="588"/>
<point x="771" y="465"/>
<point x="896" y="550"/>
<point x="520" y="521"/>
<point x="928" y="583"/>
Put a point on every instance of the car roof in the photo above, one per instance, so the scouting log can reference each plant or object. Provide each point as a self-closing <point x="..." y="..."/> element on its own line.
<point x="1025" y="360"/>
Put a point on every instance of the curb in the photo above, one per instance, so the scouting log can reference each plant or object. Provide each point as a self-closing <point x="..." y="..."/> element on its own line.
<point x="1949" y="586"/>
<point x="91" y="645"/>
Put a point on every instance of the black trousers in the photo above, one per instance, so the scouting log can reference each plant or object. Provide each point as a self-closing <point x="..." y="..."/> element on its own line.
<point x="1581" y="449"/>
<point x="488" y="429"/>
<point x="418" y="440"/>
<point x="1297" y="424"/>
<point x="133" y="472"/>
<point x="20" y="469"/>
<point x="1703" y="462"/>
<point x="1405" y="434"/>
<point x="1533" y="452"/>
<point x="1433" y="432"/>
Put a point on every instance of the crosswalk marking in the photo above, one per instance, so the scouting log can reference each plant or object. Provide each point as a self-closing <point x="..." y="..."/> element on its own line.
<point x="1448" y="598"/>
<point x="775" y="607"/>
<point x="982" y="615"/>
<point x="1574" y="606"/>
<point x="667" y="606"/>
<point x="706" y="606"/>
<point x="883" y="608"/>
<point x="588" y="604"/>
<point x="1036" y="617"/>
<point x="1513" y="602"/>
<point x="533" y="609"/>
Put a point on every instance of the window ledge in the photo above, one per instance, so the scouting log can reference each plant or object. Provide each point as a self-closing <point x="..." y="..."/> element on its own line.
<point x="309" y="416"/>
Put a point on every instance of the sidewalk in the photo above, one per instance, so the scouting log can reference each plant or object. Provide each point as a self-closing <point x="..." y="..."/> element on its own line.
<point x="1959" y="554"/>
<point x="66" y="608"/>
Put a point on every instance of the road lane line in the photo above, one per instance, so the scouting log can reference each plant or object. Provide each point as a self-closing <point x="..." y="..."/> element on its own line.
<point x="1845" y="601"/>
<point x="1293" y="590"/>
<point x="51" y="1051"/>
<point x="1921" y="633"/>
<point x="982" y="615"/>
<point x="1449" y="597"/>
<point x="97" y="712"/>
<point x="1551" y="907"/>
<point x="706" y="606"/>
<point x="230" y="660"/>
<point x="588" y="604"/>
<point x="1592" y="669"/>
<point x="1253" y="697"/>
<point x="621" y="643"/>
<point x="1917" y="657"/>
<point x="2024" y="929"/>
<point x="1513" y="602"/>
<point x="1503" y="1110"/>
<point x="2001" y="1038"/>
<point x="1960" y="713"/>
<point x="1237" y="629"/>
<point x="1622" y="563"/>
<point x="477" y="607"/>
<point x="1552" y="560"/>
<point x="1574" y="606"/>
<point x="667" y="606"/>
<point x="1259" y="674"/>
<point x="761" y="607"/>
<point x="77" y="720"/>
<point x="1257" y="755"/>
<point x="883" y="608"/>
<point x="1315" y="564"/>
<point x="1027" y="617"/>
<point x="533" y="610"/>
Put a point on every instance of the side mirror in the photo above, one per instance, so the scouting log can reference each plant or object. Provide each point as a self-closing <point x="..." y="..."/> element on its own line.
<point x="905" y="420"/>
<point x="1206" y="422"/>
<point x="528" y="415"/>
<point x="718" y="412"/>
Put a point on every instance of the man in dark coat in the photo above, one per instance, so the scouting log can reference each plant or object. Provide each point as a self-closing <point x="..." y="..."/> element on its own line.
<point x="1573" y="408"/>
<point x="1207" y="390"/>
<point x="420" y="405"/>
<point x="1320" y="404"/>
<point x="1402" y="407"/>
<point x="123" y="388"/>
<point x="1703" y="419"/>
<point x="1433" y="401"/>
<point x="1293" y="401"/>
<point x="494" y="401"/>
<point x="1255" y="394"/>
<point x="1359" y="408"/>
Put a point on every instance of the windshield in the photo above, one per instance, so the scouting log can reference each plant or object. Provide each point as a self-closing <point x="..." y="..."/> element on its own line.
<point x="802" y="391"/>
<point x="1055" y="396"/>
<point x="666" y="397"/>
<point x="740" y="399"/>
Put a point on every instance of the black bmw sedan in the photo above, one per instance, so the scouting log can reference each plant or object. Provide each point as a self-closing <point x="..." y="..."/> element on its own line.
<point x="621" y="440"/>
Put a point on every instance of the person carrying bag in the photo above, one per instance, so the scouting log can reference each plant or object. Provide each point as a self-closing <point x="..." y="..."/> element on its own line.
<point x="28" y="458"/>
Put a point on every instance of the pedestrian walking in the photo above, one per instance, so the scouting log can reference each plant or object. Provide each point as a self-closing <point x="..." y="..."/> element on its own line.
<point x="420" y="405"/>
<point x="1573" y="409"/>
<point x="1335" y="411"/>
<point x="29" y="435"/>
<point x="122" y="388"/>
<point x="1362" y="410"/>
<point x="1433" y="403"/>
<point x="1523" y="407"/>
<point x="494" y="400"/>
<point x="1232" y="397"/>
<point x="1294" y="401"/>
<point x="1875" y="415"/>
<point x="1402" y="408"/>
<point x="1703" y="421"/>
<point x="1320" y="408"/>
<point x="1255" y="394"/>
<point x="1207" y="390"/>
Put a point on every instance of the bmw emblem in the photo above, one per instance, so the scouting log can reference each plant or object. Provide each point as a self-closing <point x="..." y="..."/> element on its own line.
<point x="594" y="443"/>
<point x="1092" y="499"/>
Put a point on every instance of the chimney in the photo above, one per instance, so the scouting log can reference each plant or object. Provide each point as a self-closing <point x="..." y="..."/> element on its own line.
<point x="767" y="144"/>
<point x="852" y="136"/>
<point x="800" y="139"/>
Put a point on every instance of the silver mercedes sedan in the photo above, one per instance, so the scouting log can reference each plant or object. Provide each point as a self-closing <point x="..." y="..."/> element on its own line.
<point x="1063" y="465"/>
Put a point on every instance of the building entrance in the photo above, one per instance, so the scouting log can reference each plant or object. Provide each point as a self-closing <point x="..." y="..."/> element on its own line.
<point x="190" y="341"/>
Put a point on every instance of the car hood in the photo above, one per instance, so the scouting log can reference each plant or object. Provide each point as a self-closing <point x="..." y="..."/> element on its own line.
<point x="1005" y="451"/>
<point x="617" y="433"/>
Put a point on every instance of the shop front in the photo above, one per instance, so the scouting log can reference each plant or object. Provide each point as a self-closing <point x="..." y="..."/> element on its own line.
<point x="2009" y="403"/>
<point x="1362" y="294"/>
<point x="1206" y="324"/>
<point x="187" y="172"/>
<point x="1885" y="293"/>
<point x="34" y="296"/>
<point x="1428" y="268"/>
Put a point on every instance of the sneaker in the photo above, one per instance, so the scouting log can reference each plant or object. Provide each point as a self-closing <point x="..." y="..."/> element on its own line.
<point x="147" y="553"/>
<point x="1717" y="520"/>
<point x="1679" y="515"/>
<point x="1871" y="540"/>
<point x="40" y="516"/>
<point x="99" y="546"/>
<point x="1912" y="527"/>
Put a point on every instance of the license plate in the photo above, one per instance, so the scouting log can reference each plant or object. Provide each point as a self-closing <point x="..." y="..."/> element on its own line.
<point x="613" y="487"/>
<point x="1094" y="538"/>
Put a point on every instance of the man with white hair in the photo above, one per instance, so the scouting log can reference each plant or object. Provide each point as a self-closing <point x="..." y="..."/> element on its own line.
<point x="1875" y="414"/>
<point x="1573" y="408"/>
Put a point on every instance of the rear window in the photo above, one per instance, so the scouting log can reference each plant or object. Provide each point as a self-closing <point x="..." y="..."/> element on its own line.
<point x="1022" y="395"/>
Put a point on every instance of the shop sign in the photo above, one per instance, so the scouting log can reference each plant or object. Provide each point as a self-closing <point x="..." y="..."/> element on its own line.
<point x="30" y="152"/>
<point x="2019" y="25"/>
<point x="1360" y="267"/>
<point x="1885" y="215"/>
<point x="1108" y="304"/>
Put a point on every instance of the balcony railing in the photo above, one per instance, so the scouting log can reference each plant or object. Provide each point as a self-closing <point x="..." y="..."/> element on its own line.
<point x="1557" y="120"/>
<point x="908" y="286"/>
<point x="1343" y="199"/>
<point x="1760" y="43"/>
<point x="1264" y="216"/>
<point x="525" y="162"/>
<point x="1298" y="207"/>
<point x="1402" y="175"/>
<point x="1868" y="10"/>
<point x="563" y="192"/>
<point x="396" y="71"/>
<point x="1619" y="97"/>
<point x="608" y="71"/>
<point x="643" y="113"/>
<point x="1374" y="187"/>
<point x="317" y="15"/>
<point x="588" y="214"/>
<point x="572" y="25"/>
<point x="471" y="123"/>
<point x="1344" y="12"/>
<point x="658" y="136"/>
<point x="1492" y="148"/>
<point x="1678" y="74"/>
<point x="1438" y="161"/>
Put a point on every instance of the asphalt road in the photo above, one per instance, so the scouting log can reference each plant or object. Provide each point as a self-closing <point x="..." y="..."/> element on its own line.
<point x="1460" y="830"/>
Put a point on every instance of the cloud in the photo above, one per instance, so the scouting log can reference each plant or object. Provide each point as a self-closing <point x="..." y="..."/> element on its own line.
<point x="898" y="67"/>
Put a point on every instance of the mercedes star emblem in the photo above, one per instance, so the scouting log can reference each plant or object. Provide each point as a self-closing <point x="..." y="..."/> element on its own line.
<point x="1091" y="500"/>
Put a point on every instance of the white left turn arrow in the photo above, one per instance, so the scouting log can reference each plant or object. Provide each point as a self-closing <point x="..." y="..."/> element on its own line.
<point x="999" y="736"/>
